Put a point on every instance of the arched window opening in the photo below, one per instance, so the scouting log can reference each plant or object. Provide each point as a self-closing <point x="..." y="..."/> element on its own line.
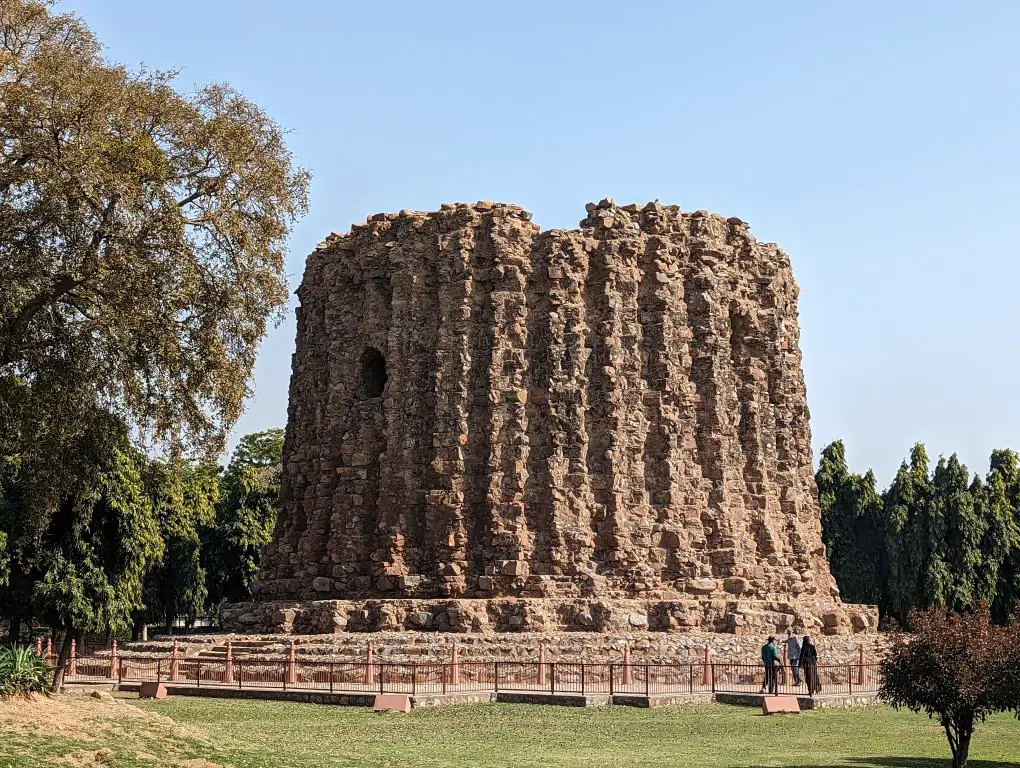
<point x="373" y="373"/>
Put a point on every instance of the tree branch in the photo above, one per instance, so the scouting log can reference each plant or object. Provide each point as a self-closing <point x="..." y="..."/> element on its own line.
<point x="949" y="735"/>
<point x="192" y="197"/>
<point x="20" y="323"/>
<point x="63" y="285"/>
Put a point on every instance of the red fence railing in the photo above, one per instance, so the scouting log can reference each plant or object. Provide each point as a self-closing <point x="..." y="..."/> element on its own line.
<point x="469" y="676"/>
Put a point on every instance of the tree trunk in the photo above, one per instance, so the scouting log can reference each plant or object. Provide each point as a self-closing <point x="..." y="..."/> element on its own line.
<point x="959" y="740"/>
<point x="65" y="654"/>
<point x="962" y="750"/>
<point x="14" y="630"/>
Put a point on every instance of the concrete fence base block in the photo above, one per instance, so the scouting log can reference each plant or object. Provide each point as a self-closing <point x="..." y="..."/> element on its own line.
<point x="774" y="705"/>
<point x="152" y="691"/>
<point x="392" y="702"/>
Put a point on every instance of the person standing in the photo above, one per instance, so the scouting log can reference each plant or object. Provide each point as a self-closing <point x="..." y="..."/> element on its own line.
<point x="793" y="655"/>
<point x="770" y="658"/>
<point x="809" y="663"/>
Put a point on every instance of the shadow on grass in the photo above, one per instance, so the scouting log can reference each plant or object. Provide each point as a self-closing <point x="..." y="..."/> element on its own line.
<point x="924" y="762"/>
<point x="906" y="762"/>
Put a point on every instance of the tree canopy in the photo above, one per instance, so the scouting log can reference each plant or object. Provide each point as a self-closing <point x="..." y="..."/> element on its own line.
<point x="184" y="498"/>
<point x="932" y="538"/>
<point x="146" y="541"/>
<point x="245" y="516"/>
<point x="142" y="242"/>
<point x="851" y="526"/>
<point x="142" y="237"/>
<point x="88" y="573"/>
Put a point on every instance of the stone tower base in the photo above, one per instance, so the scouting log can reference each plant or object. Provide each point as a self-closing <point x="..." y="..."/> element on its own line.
<point x="739" y="617"/>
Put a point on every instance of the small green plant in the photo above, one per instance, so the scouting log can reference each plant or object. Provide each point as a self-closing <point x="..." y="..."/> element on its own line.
<point x="22" y="673"/>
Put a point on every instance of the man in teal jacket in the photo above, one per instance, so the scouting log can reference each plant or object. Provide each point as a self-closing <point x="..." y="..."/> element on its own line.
<point x="770" y="658"/>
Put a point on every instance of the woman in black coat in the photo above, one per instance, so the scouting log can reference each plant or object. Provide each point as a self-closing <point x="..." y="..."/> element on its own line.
<point x="809" y="665"/>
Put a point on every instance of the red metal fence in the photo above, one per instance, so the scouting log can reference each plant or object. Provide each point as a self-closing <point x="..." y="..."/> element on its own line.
<point x="337" y="676"/>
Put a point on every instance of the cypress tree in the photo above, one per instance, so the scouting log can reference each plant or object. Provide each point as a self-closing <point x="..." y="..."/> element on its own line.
<point x="955" y="530"/>
<point x="851" y="526"/>
<point x="1000" y="547"/>
<point x="906" y="529"/>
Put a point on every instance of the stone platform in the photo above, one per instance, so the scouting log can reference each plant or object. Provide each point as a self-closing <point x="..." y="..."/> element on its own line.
<point x="432" y="701"/>
<point x="819" y="616"/>
<point x="435" y="647"/>
<point x="821" y="701"/>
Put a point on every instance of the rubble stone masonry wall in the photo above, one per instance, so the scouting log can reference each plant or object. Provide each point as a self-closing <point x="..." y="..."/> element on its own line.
<point x="589" y="647"/>
<point x="547" y="430"/>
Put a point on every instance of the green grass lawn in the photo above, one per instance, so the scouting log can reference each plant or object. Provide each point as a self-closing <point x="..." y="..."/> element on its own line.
<point x="256" y="734"/>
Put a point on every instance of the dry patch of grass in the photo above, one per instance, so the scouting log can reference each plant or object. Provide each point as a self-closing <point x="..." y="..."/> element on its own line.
<point x="79" y="730"/>
<point x="84" y="757"/>
<point x="77" y="715"/>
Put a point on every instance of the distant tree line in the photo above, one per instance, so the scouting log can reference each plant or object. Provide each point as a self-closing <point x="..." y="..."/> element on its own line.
<point x="142" y="541"/>
<point x="934" y="538"/>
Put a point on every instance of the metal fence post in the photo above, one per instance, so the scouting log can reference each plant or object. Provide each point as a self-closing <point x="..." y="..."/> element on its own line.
<point x="414" y="679"/>
<point x="331" y="677"/>
<point x="552" y="677"/>
<point x="647" y="675"/>
<point x="497" y="676"/>
<point x="711" y="669"/>
<point x="382" y="675"/>
<point x="690" y="675"/>
<point x="159" y="670"/>
<point x="582" y="678"/>
<point x="611" y="676"/>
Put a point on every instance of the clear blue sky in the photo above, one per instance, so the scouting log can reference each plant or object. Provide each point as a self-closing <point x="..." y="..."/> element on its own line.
<point x="878" y="143"/>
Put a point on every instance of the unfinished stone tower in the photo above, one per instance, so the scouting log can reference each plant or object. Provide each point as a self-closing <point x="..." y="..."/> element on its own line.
<point x="493" y="427"/>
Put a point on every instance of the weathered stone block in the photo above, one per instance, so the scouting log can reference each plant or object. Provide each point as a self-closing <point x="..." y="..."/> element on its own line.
<point x="775" y="705"/>
<point x="392" y="702"/>
<point x="152" y="690"/>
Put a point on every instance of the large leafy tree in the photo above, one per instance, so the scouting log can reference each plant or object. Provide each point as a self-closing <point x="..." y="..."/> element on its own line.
<point x="957" y="669"/>
<point x="184" y="500"/>
<point x="851" y="527"/>
<point x="97" y="549"/>
<point x="29" y="533"/>
<point x="142" y="235"/>
<point x="245" y="516"/>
